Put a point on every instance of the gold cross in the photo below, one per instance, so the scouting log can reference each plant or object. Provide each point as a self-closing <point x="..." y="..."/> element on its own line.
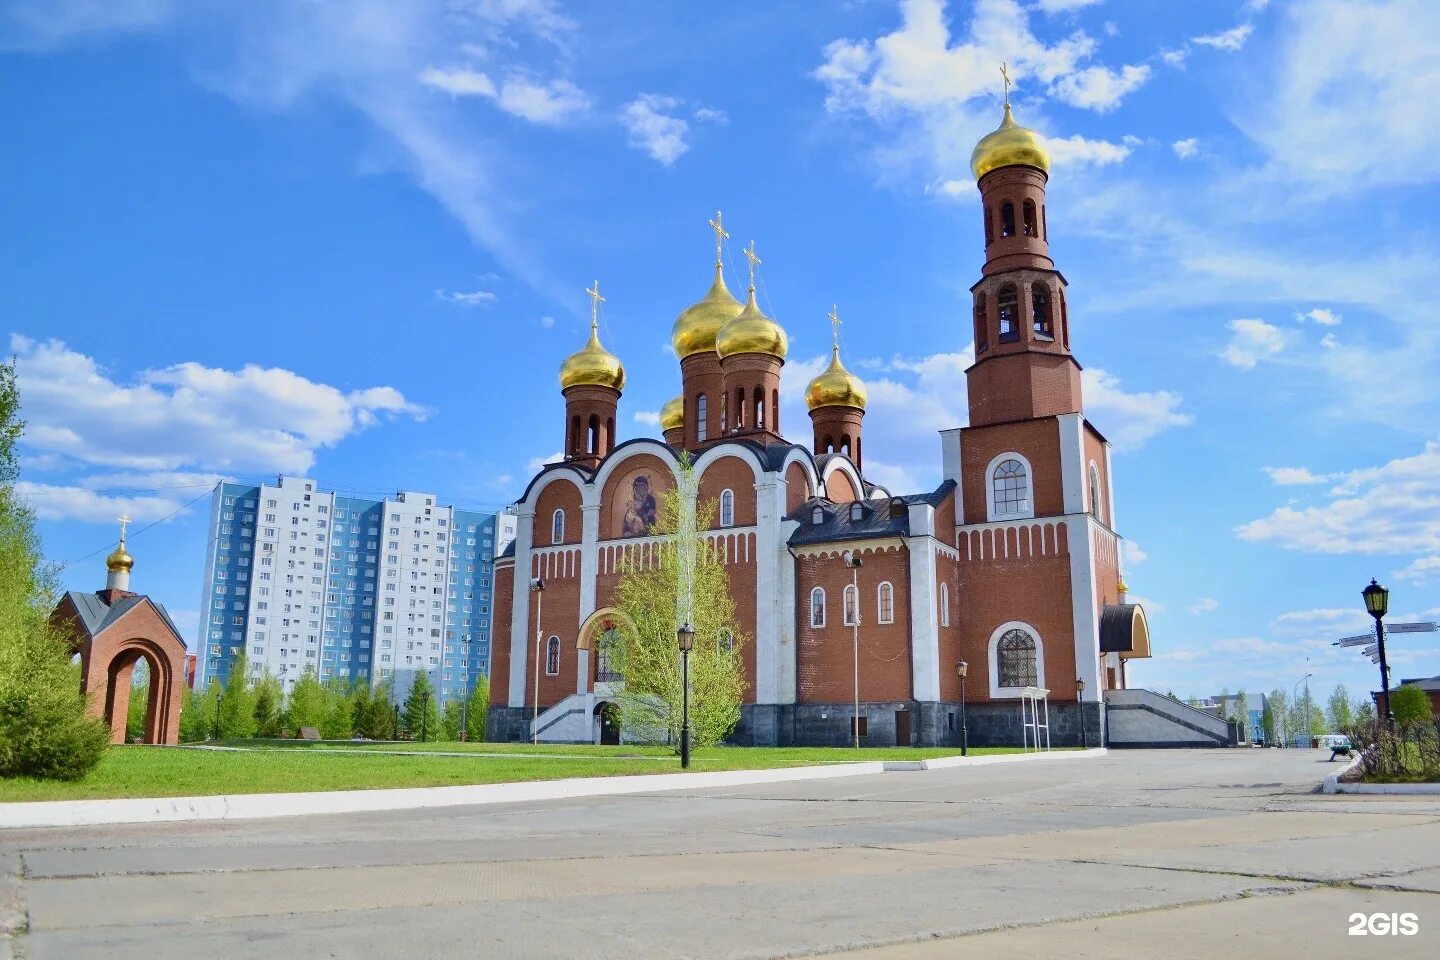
<point x="1005" y="75"/>
<point x="754" y="262"/>
<point x="595" y="301"/>
<point x="720" y="236"/>
<point x="834" y="326"/>
<point x="124" y="522"/>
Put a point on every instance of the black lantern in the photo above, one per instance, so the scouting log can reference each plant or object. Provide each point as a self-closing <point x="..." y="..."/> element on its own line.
<point x="1377" y="600"/>
<point x="686" y="638"/>
<point x="1080" y="706"/>
<point x="961" y="669"/>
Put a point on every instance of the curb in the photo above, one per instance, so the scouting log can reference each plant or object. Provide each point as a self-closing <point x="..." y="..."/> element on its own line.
<point x="1332" y="784"/>
<point x="80" y="813"/>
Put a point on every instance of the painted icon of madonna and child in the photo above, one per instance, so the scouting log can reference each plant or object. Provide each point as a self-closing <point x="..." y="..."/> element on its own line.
<point x="640" y="513"/>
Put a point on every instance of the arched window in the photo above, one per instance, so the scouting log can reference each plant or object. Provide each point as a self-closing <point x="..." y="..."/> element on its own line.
<point x="1095" y="491"/>
<point x="606" y="646"/>
<point x="724" y="414"/>
<point x="725" y="643"/>
<point x="759" y="408"/>
<point x="552" y="657"/>
<point x="594" y="442"/>
<point x="1044" y="224"/>
<point x="1007" y="219"/>
<point x="828" y="445"/>
<point x="739" y="410"/>
<point x="574" y="447"/>
<point x="817" y="516"/>
<point x="1009" y="314"/>
<point x="857" y="512"/>
<point x="944" y="604"/>
<point x="845" y="444"/>
<point x="851" y="606"/>
<point x="727" y="508"/>
<point x="982" y="333"/>
<point x="775" y="411"/>
<point x="885" y="603"/>
<point x="1030" y="227"/>
<point x="817" y="608"/>
<point x="557" y="527"/>
<point x="609" y="433"/>
<point x="700" y="414"/>
<point x="1040" y="311"/>
<point x="1064" y="321"/>
<point x="989" y="235"/>
<point x="1016" y="663"/>
<point x="1010" y="489"/>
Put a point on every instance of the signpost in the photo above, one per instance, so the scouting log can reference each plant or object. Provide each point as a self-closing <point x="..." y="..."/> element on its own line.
<point x="1411" y="627"/>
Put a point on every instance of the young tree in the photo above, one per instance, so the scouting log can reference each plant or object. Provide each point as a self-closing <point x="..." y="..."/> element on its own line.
<point x="1363" y="710"/>
<point x="360" y="707"/>
<point x="475" y="716"/>
<point x="1338" y="708"/>
<point x="269" y="696"/>
<point x="450" y="719"/>
<point x="45" y="730"/>
<point x="1240" y="712"/>
<point x="660" y="598"/>
<point x="1280" y="715"/>
<point x="339" y="720"/>
<point x="1410" y="706"/>
<point x="422" y="715"/>
<point x="306" y="707"/>
<point x="375" y="719"/>
<point x="1267" y="724"/>
<point x="237" y="704"/>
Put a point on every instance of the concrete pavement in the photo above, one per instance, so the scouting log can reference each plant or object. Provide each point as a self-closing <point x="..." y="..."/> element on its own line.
<point x="1138" y="854"/>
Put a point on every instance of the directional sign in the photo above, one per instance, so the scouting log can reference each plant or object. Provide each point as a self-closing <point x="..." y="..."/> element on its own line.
<point x="1411" y="628"/>
<point x="1372" y="651"/>
<point x="1354" y="641"/>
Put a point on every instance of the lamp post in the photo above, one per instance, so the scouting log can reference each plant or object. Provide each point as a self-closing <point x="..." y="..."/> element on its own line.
<point x="686" y="637"/>
<point x="396" y="731"/>
<point x="537" y="587"/>
<point x="1377" y="604"/>
<point x="1080" y="705"/>
<point x="962" y="668"/>
<point x="855" y="563"/>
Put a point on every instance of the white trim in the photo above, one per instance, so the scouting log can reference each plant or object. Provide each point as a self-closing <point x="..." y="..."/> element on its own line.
<point x="836" y="548"/>
<point x="520" y="608"/>
<point x="813" y="608"/>
<point x="552" y="476"/>
<point x="1072" y="456"/>
<point x="724" y="495"/>
<point x="1109" y="488"/>
<point x="838" y="462"/>
<point x="880" y="602"/>
<point x="944" y="591"/>
<point x="557" y="530"/>
<point x="552" y="639"/>
<point x="924" y="624"/>
<point x="990" y="487"/>
<point x="998" y="692"/>
<point x="1084" y="606"/>
<point x="849" y="616"/>
<point x="1095" y="497"/>
<point x="950" y="463"/>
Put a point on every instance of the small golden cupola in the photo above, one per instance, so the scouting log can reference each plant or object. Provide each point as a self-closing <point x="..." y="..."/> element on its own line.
<point x="120" y="562"/>
<point x="836" y="400"/>
<point x="752" y="350"/>
<point x="672" y="421"/>
<point x="751" y="331"/>
<point x="591" y="380"/>
<point x="1008" y="144"/>
<point x="698" y="324"/>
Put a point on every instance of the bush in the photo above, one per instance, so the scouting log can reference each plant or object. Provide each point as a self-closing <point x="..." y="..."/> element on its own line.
<point x="1410" y="706"/>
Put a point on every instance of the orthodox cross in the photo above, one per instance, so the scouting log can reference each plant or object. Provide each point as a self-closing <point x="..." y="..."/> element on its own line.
<point x="720" y="236"/>
<point x="595" y="301"/>
<point x="754" y="262"/>
<point x="1005" y="75"/>
<point x="124" y="522"/>
<point x="834" y="327"/>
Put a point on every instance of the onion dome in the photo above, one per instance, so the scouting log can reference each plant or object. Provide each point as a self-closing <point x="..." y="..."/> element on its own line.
<point x="695" y="329"/>
<point x="593" y="366"/>
<point x="672" y="415"/>
<point x="1007" y="145"/>
<point x="752" y="332"/>
<point x="120" y="559"/>
<point x="836" y="387"/>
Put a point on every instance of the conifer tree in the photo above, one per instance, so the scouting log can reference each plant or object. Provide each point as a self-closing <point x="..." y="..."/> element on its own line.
<point x="475" y="716"/>
<point x="237" y="704"/>
<point x="268" y="698"/>
<point x="450" y="718"/>
<point x="422" y="714"/>
<point x="339" y="710"/>
<point x="306" y="706"/>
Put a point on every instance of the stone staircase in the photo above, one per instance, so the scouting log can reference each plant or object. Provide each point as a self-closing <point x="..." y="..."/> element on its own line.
<point x="1143" y="718"/>
<point x="572" y="720"/>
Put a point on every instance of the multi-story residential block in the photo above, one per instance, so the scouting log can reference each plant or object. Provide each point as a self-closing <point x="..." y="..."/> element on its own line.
<point x="364" y="590"/>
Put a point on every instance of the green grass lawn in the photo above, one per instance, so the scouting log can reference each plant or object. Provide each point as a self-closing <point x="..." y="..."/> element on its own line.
<point x="289" y="766"/>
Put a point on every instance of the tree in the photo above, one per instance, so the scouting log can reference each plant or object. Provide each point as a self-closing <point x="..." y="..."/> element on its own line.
<point x="1267" y="724"/>
<point x="197" y="713"/>
<point x="659" y="599"/>
<point x="237" y="704"/>
<point x="45" y="728"/>
<point x="306" y="707"/>
<point x="269" y="696"/>
<point x="339" y="720"/>
<point x="360" y="707"/>
<point x="1410" y="706"/>
<point x="1363" y="709"/>
<point x="1338" y="708"/>
<point x="422" y="716"/>
<point x="1240" y="711"/>
<point x="135" y="713"/>
<point x="475" y="716"/>
<point x="375" y="718"/>
<point x="1280" y="716"/>
<point x="450" y="718"/>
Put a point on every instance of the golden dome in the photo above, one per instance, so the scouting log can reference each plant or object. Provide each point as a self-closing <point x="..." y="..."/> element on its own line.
<point x="1007" y="145"/>
<point x="120" y="559"/>
<point x="672" y="415"/>
<point x="836" y="387"/>
<point x="752" y="332"/>
<point x="695" y="329"/>
<point x="593" y="366"/>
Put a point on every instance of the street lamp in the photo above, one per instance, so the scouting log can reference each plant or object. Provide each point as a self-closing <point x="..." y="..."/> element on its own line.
<point x="1377" y="604"/>
<point x="962" y="668"/>
<point x="686" y="637"/>
<point x="1080" y="705"/>
<point x="537" y="587"/>
<point x="855" y="563"/>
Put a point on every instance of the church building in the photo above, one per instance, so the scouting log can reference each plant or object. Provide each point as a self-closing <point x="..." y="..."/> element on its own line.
<point x="1007" y="574"/>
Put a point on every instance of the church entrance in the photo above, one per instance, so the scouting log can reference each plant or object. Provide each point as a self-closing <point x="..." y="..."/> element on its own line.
<point x="902" y="728"/>
<point x="609" y="716"/>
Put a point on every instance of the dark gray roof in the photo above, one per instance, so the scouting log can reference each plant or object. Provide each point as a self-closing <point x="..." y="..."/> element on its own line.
<point x="97" y="615"/>
<point x="885" y="517"/>
<point x="1424" y="683"/>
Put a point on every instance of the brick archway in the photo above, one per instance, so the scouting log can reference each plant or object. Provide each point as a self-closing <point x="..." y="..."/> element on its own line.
<point x="118" y="672"/>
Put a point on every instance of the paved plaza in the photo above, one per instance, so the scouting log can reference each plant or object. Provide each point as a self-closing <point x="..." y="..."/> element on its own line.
<point x="1137" y="854"/>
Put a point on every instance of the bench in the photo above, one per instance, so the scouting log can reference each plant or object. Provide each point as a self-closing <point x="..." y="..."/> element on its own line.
<point x="1341" y="750"/>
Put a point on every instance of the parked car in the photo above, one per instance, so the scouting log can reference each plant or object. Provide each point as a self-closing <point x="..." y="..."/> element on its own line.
<point x="1332" y="740"/>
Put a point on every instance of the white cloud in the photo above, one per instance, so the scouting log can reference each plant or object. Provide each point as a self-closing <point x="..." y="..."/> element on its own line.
<point x="1152" y="607"/>
<point x="549" y="102"/>
<point x="1187" y="148"/>
<point x="68" y="502"/>
<point x="897" y="480"/>
<point x="1175" y="58"/>
<point x="1294" y="476"/>
<point x="1390" y="509"/>
<point x="1325" y="621"/>
<point x="537" y="464"/>
<point x="1320" y="315"/>
<point x="459" y="82"/>
<point x="711" y="115"/>
<point x="1329" y="342"/>
<point x="1100" y="88"/>
<point x="474" y="298"/>
<point x="1132" y="553"/>
<point x="1063" y="6"/>
<point x="188" y="415"/>
<point x="1129" y="419"/>
<point x="1204" y="605"/>
<point x="1421" y="570"/>
<point x="1232" y="39"/>
<point x="1076" y="150"/>
<point x="1251" y="341"/>
<point x="654" y="130"/>
<point x="649" y="417"/>
<point x="547" y="322"/>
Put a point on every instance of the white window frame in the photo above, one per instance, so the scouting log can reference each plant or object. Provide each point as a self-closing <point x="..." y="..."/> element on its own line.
<point x="944" y="604"/>
<point x="817" y="623"/>
<point x="1097" y="498"/>
<point x="883" y="588"/>
<point x="727" y="508"/>
<point x="552" y="644"/>
<point x="1013" y="693"/>
<point x="850" y="605"/>
<point x="990" y="509"/>
<point x="557" y="526"/>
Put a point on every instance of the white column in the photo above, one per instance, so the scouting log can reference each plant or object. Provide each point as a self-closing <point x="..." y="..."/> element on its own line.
<point x="767" y="562"/>
<point x="924" y="619"/>
<point x="785" y="681"/>
<point x="1110" y="492"/>
<point x="589" y="558"/>
<point x="1084" y="605"/>
<point x="950" y="456"/>
<point x="1072" y="461"/>
<point x="520" y="608"/>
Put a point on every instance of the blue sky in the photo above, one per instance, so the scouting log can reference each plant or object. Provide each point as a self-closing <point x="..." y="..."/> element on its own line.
<point x="222" y="220"/>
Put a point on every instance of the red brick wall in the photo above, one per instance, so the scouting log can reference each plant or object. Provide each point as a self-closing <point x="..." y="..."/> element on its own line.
<point x="1037" y="440"/>
<point x="734" y="474"/>
<point x="797" y="486"/>
<point x="1094" y="449"/>
<point x="825" y="656"/>
<point x="839" y="488"/>
<point x="500" y="634"/>
<point x="560" y="617"/>
<point x="559" y="495"/>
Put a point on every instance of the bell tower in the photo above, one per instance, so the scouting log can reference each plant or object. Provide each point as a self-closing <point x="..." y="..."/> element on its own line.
<point x="1023" y="367"/>
<point x="591" y="380"/>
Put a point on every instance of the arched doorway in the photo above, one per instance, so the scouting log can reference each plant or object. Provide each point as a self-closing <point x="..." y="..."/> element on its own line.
<point x="119" y="676"/>
<point x="601" y="632"/>
<point x="607" y="715"/>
